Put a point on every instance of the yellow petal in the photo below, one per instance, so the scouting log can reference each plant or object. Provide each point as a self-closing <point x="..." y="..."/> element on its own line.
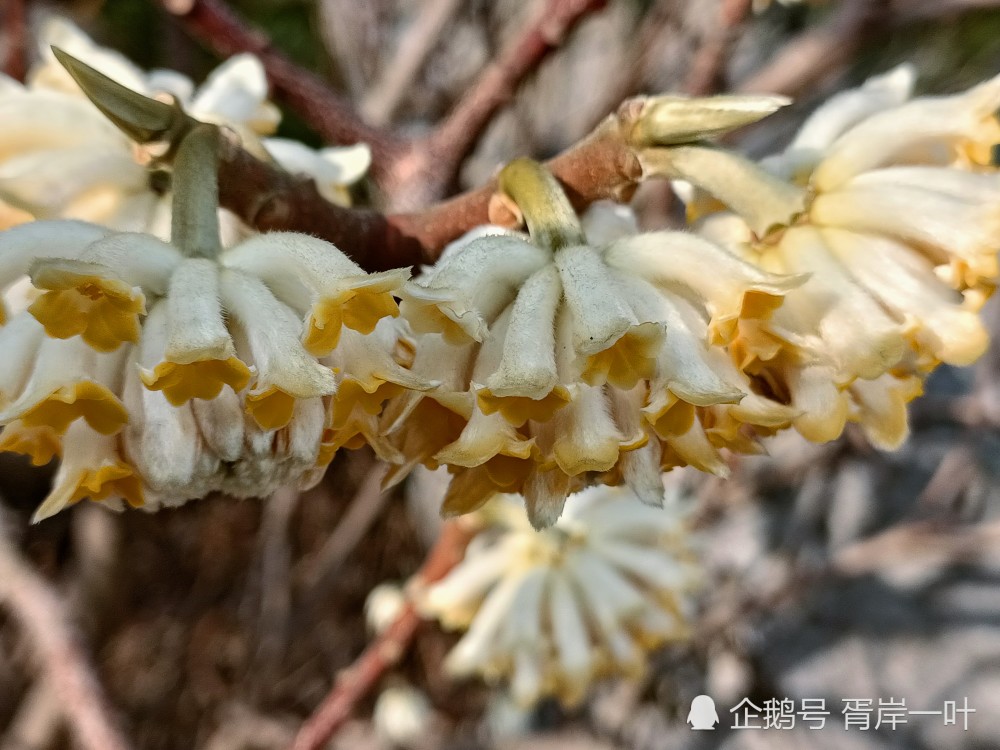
<point x="519" y="409"/>
<point x="41" y="442"/>
<point x="358" y="309"/>
<point x="104" y="311"/>
<point x="205" y="379"/>
<point x="271" y="408"/>
<point x="94" y="402"/>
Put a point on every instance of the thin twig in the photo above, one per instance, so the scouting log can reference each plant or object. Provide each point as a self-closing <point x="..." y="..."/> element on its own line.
<point x="705" y="75"/>
<point x="275" y="561"/>
<point x="364" y="508"/>
<point x="386" y="650"/>
<point x="419" y="40"/>
<point x="821" y="51"/>
<point x="62" y="658"/>
<point x="224" y="32"/>
<point x="436" y="161"/>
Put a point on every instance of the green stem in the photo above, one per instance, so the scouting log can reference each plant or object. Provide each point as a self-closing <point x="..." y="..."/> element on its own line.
<point x="195" y="221"/>
<point x="550" y="218"/>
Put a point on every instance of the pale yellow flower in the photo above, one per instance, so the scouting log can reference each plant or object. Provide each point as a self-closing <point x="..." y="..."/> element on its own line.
<point x="551" y="612"/>
<point x="898" y="235"/>
<point x="187" y="375"/>
<point x="560" y="365"/>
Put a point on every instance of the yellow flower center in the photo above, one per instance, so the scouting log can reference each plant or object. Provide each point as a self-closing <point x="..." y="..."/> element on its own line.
<point x="358" y="309"/>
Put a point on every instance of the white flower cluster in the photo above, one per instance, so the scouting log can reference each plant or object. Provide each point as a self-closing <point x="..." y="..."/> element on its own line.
<point x="899" y="241"/>
<point x="554" y="610"/>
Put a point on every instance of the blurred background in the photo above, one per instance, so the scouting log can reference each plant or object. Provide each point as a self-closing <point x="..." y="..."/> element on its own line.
<point x="833" y="572"/>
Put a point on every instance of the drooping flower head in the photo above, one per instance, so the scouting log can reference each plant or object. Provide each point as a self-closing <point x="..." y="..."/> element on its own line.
<point x="162" y="371"/>
<point x="897" y="225"/>
<point x="552" y="611"/>
<point x="563" y="359"/>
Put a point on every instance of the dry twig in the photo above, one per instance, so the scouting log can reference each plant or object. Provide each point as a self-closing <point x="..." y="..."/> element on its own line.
<point x="419" y="40"/>
<point x="62" y="658"/>
<point x="386" y="650"/>
<point x="705" y="76"/>
<point x="435" y="161"/>
<point x="821" y="51"/>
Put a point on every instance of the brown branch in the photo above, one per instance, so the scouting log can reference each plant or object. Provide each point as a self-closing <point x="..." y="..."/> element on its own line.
<point x="354" y="683"/>
<point x="270" y="199"/>
<point x="14" y="39"/>
<point x="220" y="29"/>
<point x="266" y="197"/>
<point x="62" y="658"/>
<point x="705" y="75"/>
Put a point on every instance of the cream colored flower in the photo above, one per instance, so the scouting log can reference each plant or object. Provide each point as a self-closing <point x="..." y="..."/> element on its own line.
<point x="899" y="237"/>
<point x="551" y="612"/>
<point x="160" y="376"/>
<point x="561" y="364"/>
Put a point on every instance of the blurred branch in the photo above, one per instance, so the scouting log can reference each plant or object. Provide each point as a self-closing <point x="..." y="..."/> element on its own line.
<point x="707" y="67"/>
<point x="419" y="40"/>
<point x="411" y="173"/>
<point x="62" y="659"/>
<point x="366" y="505"/>
<point x="14" y="38"/>
<point x="442" y="153"/>
<point x="922" y="10"/>
<point x="223" y="31"/>
<point x="821" y="51"/>
<point x="386" y="650"/>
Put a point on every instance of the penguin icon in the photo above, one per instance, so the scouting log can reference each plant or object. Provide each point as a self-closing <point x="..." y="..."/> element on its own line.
<point x="702" y="714"/>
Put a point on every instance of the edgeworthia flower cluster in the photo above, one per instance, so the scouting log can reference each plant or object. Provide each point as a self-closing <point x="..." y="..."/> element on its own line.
<point x="563" y="358"/>
<point x="60" y="156"/>
<point x="898" y="229"/>
<point x="163" y="362"/>
<point x="550" y="612"/>
<point x="162" y="371"/>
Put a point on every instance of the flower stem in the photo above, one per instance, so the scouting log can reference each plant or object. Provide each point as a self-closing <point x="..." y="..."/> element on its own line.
<point x="547" y="212"/>
<point x="195" y="221"/>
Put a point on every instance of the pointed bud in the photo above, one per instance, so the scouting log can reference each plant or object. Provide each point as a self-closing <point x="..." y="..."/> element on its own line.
<point x="144" y="120"/>
<point x="669" y="120"/>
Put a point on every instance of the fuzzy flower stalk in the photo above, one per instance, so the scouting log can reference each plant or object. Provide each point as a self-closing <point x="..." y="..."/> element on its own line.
<point x="551" y="612"/>
<point x="163" y="371"/>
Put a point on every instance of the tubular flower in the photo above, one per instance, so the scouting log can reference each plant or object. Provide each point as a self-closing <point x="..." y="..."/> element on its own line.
<point x="899" y="236"/>
<point x="559" y="360"/>
<point x="183" y="368"/>
<point x="552" y="611"/>
<point x="61" y="158"/>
